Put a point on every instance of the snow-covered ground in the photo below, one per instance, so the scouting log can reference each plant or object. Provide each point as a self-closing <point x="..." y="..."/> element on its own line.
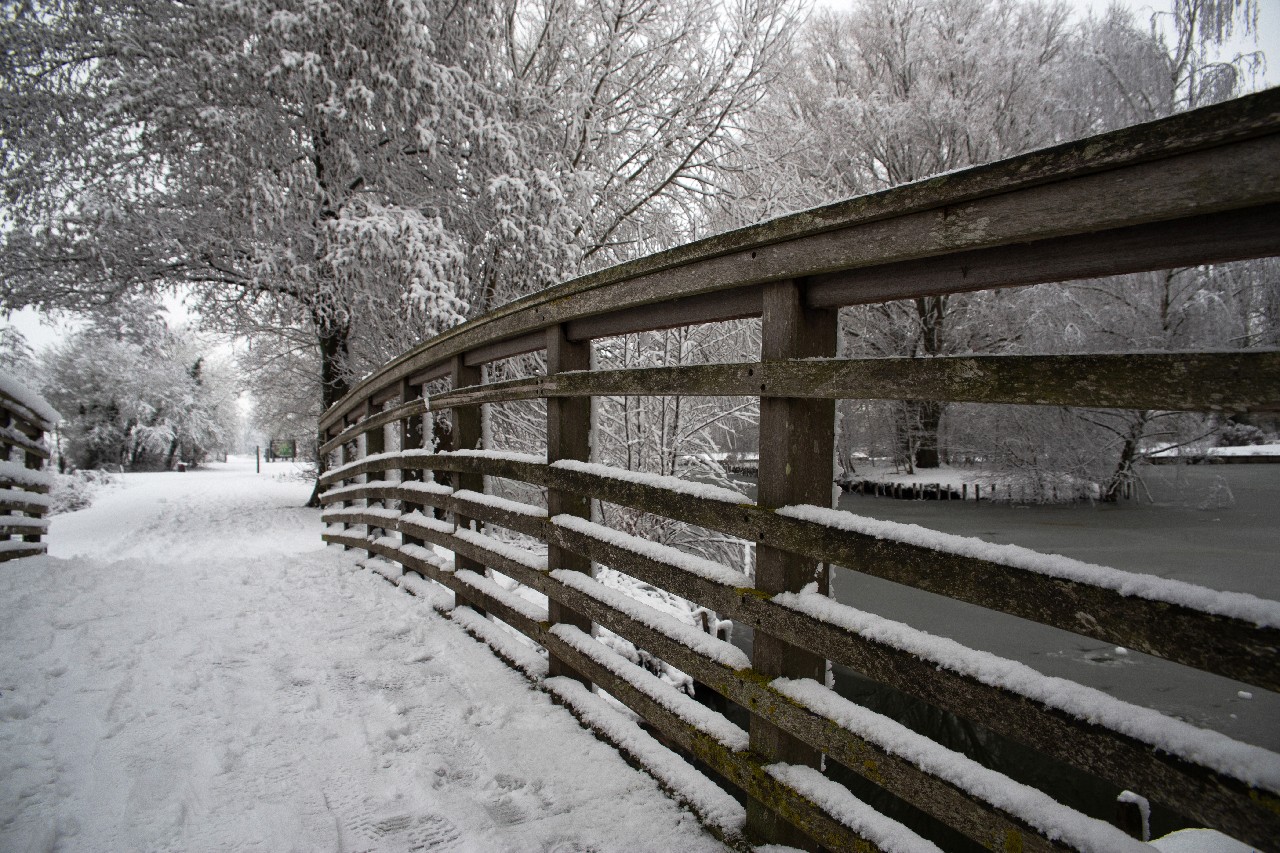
<point x="190" y="669"/>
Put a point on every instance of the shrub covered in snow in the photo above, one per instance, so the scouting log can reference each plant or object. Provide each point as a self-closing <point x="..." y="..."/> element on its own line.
<point x="1234" y="434"/>
<point x="76" y="491"/>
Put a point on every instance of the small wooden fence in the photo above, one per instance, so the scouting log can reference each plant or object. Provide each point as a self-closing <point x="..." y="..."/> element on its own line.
<point x="24" y="485"/>
<point x="1202" y="187"/>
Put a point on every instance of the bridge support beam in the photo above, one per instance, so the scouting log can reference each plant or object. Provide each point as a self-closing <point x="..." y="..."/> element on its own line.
<point x="375" y="441"/>
<point x="797" y="439"/>
<point x="568" y="437"/>
<point x="412" y="437"/>
<point x="349" y="452"/>
<point x="466" y="432"/>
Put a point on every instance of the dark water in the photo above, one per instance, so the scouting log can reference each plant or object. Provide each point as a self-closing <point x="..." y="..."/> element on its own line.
<point x="1211" y="525"/>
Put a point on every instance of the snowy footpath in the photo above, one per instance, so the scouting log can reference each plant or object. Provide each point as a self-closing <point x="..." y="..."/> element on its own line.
<point x="190" y="669"/>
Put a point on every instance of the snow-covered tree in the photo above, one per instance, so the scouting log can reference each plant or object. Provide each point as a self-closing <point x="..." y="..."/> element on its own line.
<point x="641" y="102"/>
<point x="16" y="356"/>
<point x="896" y="90"/>
<point x="136" y="394"/>
<point x="300" y="165"/>
<point x="364" y="173"/>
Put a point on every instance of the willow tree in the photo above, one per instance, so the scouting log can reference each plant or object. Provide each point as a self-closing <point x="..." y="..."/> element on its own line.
<point x="894" y="91"/>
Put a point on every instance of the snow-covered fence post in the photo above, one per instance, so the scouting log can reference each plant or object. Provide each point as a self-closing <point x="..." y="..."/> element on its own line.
<point x="465" y="422"/>
<point x="797" y="438"/>
<point x="349" y="452"/>
<point x="375" y="441"/>
<point x="412" y="437"/>
<point x="568" y="437"/>
<point x="24" y="485"/>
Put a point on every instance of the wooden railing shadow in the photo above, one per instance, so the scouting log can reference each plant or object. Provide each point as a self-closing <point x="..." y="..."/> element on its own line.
<point x="1198" y="188"/>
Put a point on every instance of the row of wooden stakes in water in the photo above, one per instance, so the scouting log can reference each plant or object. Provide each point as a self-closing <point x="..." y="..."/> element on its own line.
<point x="948" y="492"/>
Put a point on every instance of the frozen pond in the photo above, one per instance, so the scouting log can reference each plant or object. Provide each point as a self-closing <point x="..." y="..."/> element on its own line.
<point x="1187" y="529"/>
<point x="1225" y="547"/>
<point x="1214" y="525"/>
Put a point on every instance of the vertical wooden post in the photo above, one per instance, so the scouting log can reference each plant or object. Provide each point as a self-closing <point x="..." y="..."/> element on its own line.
<point x="32" y="461"/>
<point x="6" y="455"/>
<point x="412" y="437"/>
<point x="466" y="436"/>
<point x="568" y="437"/>
<point x="797" y="442"/>
<point x="375" y="441"/>
<point x="349" y="453"/>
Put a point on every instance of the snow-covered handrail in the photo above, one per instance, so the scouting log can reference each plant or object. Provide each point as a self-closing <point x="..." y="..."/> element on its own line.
<point x="1193" y="188"/>
<point x="1202" y="187"/>
<point x="24" y="484"/>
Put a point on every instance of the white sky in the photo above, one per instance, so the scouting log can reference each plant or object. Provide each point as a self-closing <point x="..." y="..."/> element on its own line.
<point x="1267" y="39"/>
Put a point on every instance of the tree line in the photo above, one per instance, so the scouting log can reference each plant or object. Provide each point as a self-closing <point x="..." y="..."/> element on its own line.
<point x="333" y="182"/>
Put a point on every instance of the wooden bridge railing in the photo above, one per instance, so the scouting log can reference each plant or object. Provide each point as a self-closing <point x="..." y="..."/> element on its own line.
<point x="1202" y="187"/>
<point x="24" y="484"/>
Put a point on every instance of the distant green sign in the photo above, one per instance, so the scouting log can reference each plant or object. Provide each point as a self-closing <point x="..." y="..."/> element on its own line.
<point x="284" y="448"/>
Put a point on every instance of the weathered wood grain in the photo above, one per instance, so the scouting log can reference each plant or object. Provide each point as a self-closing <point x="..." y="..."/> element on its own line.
<point x="1198" y="792"/>
<point x="1223" y="645"/>
<point x="1215" y="800"/>
<point x="568" y="437"/>
<point x="1242" y="381"/>
<point x="1215" y="160"/>
<point x="413" y="407"/>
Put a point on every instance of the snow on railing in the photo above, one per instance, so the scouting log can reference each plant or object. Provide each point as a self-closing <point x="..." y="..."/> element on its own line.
<point x="24" y="482"/>
<point x="1180" y="192"/>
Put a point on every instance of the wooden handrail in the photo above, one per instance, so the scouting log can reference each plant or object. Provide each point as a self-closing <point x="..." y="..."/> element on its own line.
<point x="24" y="485"/>
<point x="1201" y="187"/>
<point x="1174" y="188"/>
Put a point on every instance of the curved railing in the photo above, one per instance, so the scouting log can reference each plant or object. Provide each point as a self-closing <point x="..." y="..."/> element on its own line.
<point x="1203" y="187"/>
<point x="24" y="484"/>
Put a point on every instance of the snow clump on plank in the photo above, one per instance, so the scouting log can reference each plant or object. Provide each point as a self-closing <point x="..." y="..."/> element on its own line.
<point x="1237" y="605"/>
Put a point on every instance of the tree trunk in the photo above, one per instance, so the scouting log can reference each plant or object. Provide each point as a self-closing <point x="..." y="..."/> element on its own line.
<point x="332" y="336"/>
<point x="928" y="415"/>
<point x="1128" y="456"/>
<point x="925" y="416"/>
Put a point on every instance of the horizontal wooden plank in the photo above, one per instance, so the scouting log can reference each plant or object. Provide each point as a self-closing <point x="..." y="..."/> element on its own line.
<point x="958" y="808"/>
<point x="497" y="605"/>
<point x="492" y="466"/>
<point x="707" y="308"/>
<point x="1186" y="381"/>
<point x="10" y="437"/>
<point x="7" y="482"/>
<point x="38" y="510"/>
<point x="1208" y="161"/>
<point x="29" y="549"/>
<point x="1227" y="646"/>
<point x="439" y="370"/>
<point x="478" y="510"/>
<point x="1231" y="647"/>
<point x="1217" y="801"/>
<point x="532" y="342"/>
<point x="414" y="408"/>
<point x="741" y="769"/>
<point x="9" y="528"/>
<point x="24" y="418"/>
<point x="1207" y="797"/>
<point x="1196" y="791"/>
<point x="1212" y="238"/>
